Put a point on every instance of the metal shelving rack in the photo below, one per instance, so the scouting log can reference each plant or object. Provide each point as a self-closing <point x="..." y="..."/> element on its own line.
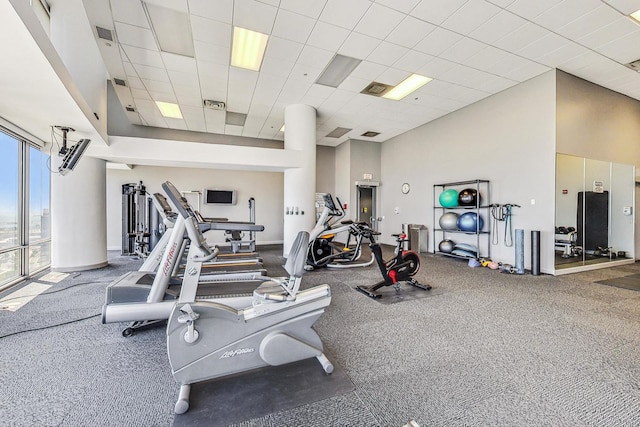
<point x="482" y="209"/>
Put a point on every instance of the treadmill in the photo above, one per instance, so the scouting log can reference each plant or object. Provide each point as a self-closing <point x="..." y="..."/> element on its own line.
<point x="141" y="298"/>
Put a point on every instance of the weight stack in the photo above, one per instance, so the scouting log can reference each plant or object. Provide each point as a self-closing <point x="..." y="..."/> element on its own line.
<point x="535" y="252"/>
<point x="519" y="251"/>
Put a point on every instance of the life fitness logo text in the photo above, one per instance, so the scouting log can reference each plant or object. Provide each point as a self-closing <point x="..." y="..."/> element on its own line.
<point x="232" y="353"/>
<point x="172" y="253"/>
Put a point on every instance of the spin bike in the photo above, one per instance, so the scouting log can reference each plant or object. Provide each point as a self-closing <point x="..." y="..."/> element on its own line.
<point x="401" y="268"/>
<point x="324" y="251"/>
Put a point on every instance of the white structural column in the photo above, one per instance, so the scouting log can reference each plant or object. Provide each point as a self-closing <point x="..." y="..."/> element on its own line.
<point x="299" y="182"/>
<point x="79" y="216"/>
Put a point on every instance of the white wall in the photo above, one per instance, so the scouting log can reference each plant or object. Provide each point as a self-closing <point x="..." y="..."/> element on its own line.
<point x="266" y="187"/>
<point x="508" y="138"/>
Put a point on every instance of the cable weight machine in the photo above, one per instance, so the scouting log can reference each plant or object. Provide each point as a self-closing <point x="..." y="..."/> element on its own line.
<point x="140" y="221"/>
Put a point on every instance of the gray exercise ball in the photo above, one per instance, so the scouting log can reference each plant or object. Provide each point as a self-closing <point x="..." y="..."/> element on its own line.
<point x="446" y="246"/>
<point x="449" y="221"/>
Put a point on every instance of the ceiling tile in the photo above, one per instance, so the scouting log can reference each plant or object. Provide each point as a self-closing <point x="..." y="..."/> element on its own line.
<point x="129" y="12"/>
<point x="438" y="41"/>
<point x="151" y="73"/>
<point x="543" y="46"/>
<point x="179" y="5"/>
<point x="410" y="31"/>
<point x="368" y="70"/>
<point x="278" y="48"/>
<point x="140" y="94"/>
<point x="291" y="26"/>
<point x="437" y="68"/>
<point x="212" y="53"/>
<point x="585" y="24"/>
<point x="462" y="50"/>
<point x="215" y="120"/>
<point x="623" y="50"/>
<point x="173" y="62"/>
<point x="565" y="12"/>
<point x="254" y="15"/>
<point x="436" y="11"/>
<point x="210" y="31"/>
<point x="276" y="66"/>
<point x="387" y="53"/>
<point x="315" y="57"/>
<point x="614" y="31"/>
<point x="559" y="56"/>
<point x="626" y="7"/>
<point x="210" y="70"/>
<point x="404" y="6"/>
<point x="320" y="91"/>
<point x="521" y="37"/>
<point x="134" y="82"/>
<point x="327" y="36"/>
<point x="412" y="61"/>
<point x="502" y="3"/>
<point x="305" y="73"/>
<point x="345" y="14"/>
<point x="508" y="64"/>
<point x="192" y="113"/>
<point x="220" y="10"/>
<point x="392" y="76"/>
<point x="497" y="27"/>
<point x="136" y="55"/>
<point x="135" y="36"/>
<point x="354" y="84"/>
<point x="268" y="89"/>
<point x="485" y="59"/>
<point x="293" y="91"/>
<point x="526" y="72"/>
<point x="470" y="16"/>
<point x="530" y="9"/>
<point x="358" y="46"/>
<point x="184" y="79"/>
<point x="310" y="8"/>
<point x="379" y="21"/>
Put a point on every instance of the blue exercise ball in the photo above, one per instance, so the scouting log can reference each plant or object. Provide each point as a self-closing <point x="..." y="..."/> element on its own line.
<point x="446" y="246"/>
<point x="448" y="198"/>
<point x="470" y="222"/>
<point x="449" y="221"/>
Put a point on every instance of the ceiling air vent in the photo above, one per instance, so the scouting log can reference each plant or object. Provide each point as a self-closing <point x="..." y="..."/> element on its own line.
<point x="370" y="134"/>
<point x="635" y="65"/>
<point x="214" y="105"/>
<point x="338" y="132"/>
<point x="376" y="89"/>
<point x="130" y="109"/>
<point x="104" y="34"/>
<point x="120" y="82"/>
<point x="236" y="119"/>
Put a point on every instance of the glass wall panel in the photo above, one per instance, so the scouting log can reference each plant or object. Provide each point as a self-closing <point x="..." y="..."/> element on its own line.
<point x="39" y="179"/>
<point x="9" y="266"/>
<point x="39" y="256"/>
<point x="9" y="197"/>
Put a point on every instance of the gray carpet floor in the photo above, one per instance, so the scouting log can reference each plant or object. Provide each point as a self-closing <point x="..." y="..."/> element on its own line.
<point x="485" y="348"/>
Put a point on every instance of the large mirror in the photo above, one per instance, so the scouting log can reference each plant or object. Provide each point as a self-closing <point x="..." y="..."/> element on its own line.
<point x="594" y="213"/>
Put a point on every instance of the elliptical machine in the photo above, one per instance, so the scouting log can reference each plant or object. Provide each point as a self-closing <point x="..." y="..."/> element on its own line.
<point x="401" y="268"/>
<point x="324" y="251"/>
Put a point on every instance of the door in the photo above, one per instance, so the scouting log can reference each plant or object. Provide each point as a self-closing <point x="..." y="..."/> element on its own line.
<point x="367" y="205"/>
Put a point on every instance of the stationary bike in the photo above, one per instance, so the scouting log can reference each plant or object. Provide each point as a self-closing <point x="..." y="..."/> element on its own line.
<point x="401" y="268"/>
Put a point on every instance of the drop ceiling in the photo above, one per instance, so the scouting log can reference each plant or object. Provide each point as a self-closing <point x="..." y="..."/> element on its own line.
<point x="471" y="48"/>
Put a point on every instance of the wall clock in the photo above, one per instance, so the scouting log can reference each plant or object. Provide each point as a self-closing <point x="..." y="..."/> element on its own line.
<point x="405" y="188"/>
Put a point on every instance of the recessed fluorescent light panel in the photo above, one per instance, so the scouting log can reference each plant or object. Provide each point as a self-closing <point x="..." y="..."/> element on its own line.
<point x="236" y="119"/>
<point x="338" y="69"/>
<point x="248" y="48"/>
<point x="636" y="16"/>
<point x="338" y="132"/>
<point x="408" y="85"/>
<point x="172" y="29"/>
<point x="169" y="110"/>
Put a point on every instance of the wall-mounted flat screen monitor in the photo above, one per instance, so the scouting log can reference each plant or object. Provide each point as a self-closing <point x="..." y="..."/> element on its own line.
<point x="220" y="197"/>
